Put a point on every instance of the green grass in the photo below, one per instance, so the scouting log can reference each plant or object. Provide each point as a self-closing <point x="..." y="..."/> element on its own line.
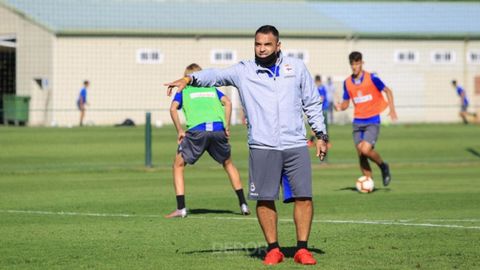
<point x="56" y="183"/>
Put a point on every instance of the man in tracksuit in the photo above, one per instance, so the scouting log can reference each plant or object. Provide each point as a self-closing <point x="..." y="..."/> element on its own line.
<point x="275" y="91"/>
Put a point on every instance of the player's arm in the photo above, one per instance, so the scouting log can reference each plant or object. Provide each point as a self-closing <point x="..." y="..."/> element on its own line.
<point x="346" y="100"/>
<point x="180" y="84"/>
<point x="176" y="121"/>
<point x="391" y="104"/>
<point x="228" y="113"/>
<point x="207" y="78"/>
<point x="84" y="98"/>
<point x="388" y="92"/>
<point x="343" y="105"/>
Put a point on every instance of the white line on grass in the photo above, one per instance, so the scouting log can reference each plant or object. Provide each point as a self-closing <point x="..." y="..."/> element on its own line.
<point x="62" y="213"/>
<point x="370" y="222"/>
<point x="454" y="220"/>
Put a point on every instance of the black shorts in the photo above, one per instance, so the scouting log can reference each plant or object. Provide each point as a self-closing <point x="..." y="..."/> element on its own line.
<point x="196" y="143"/>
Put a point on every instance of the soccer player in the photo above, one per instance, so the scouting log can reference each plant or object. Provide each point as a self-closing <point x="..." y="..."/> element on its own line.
<point x="365" y="90"/>
<point x="82" y="101"/>
<point x="330" y="98"/>
<point x="322" y="91"/>
<point x="463" y="102"/>
<point x="208" y="125"/>
<point x="275" y="91"/>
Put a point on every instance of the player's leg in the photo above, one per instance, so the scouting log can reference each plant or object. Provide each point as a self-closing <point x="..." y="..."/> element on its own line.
<point x="475" y="117"/>
<point x="330" y="112"/>
<point x="364" y="164"/>
<point x="303" y="215"/>
<point x="464" y="113"/>
<point x="472" y="115"/>
<point x="297" y="168"/>
<point x="220" y="150"/>
<point x="358" y="139"/>
<point x="178" y="180"/>
<point x="189" y="151"/>
<point x="264" y="187"/>
<point x="234" y="177"/>
<point x="267" y="217"/>
<point x="179" y="185"/>
<point x="233" y="174"/>
<point x="366" y="148"/>
<point x="268" y="220"/>
<point x="82" y="115"/>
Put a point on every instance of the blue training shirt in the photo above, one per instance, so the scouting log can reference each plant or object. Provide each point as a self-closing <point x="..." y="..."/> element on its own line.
<point x="83" y="96"/>
<point x="216" y="126"/>
<point x="322" y="91"/>
<point x="378" y="84"/>
<point x="460" y="90"/>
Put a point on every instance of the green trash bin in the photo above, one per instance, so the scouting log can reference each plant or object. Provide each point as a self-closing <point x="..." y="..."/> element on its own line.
<point x="15" y="109"/>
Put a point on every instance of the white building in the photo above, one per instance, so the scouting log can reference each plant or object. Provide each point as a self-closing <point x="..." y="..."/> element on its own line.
<point x="127" y="49"/>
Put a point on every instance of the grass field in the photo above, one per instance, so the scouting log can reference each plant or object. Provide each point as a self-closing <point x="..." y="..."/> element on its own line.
<point x="81" y="199"/>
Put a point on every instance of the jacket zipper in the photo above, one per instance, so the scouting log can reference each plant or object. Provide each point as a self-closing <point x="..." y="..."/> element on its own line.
<point x="278" y="105"/>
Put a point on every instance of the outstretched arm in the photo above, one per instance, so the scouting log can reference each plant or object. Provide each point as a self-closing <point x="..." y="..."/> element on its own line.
<point x="391" y="104"/>
<point x="180" y="84"/>
<point x="207" y="78"/>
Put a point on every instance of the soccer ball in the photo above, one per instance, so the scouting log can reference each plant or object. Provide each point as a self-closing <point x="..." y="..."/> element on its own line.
<point x="365" y="184"/>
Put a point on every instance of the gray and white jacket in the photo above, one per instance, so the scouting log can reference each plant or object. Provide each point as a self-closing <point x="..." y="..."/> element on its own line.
<point x="273" y="103"/>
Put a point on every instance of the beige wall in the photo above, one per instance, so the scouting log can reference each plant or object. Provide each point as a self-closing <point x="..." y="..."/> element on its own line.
<point x="34" y="56"/>
<point x="121" y="88"/>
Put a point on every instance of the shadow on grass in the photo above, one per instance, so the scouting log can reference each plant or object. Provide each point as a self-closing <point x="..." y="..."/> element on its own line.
<point x="254" y="252"/>
<point x="473" y="152"/>
<point x="354" y="189"/>
<point x="201" y="211"/>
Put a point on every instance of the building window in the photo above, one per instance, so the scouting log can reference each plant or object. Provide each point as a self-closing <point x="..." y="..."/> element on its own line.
<point x="300" y="54"/>
<point x="473" y="57"/>
<point x="406" y="56"/>
<point x="9" y="41"/>
<point x="443" y="57"/>
<point x="223" y="56"/>
<point x="149" y="56"/>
